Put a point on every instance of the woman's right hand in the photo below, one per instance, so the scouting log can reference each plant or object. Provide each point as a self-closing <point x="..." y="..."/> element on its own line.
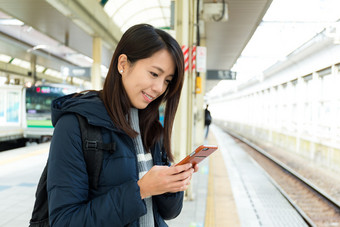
<point x="162" y="179"/>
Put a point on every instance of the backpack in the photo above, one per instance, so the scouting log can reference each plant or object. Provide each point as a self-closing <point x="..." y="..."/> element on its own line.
<point x="93" y="149"/>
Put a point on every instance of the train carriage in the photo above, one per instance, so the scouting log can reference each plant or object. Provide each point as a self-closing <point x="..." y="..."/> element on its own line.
<point x="38" y="99"/>
<point x="11" y="109"/>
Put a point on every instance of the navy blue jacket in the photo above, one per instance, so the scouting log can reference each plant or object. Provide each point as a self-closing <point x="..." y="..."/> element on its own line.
<point x="117" y="201"/>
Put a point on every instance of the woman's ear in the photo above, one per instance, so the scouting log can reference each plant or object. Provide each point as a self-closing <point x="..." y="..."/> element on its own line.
<point x="122" y="63"/>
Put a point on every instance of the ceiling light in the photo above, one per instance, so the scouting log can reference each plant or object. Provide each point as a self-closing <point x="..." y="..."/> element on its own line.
<point x="11" y="21"/>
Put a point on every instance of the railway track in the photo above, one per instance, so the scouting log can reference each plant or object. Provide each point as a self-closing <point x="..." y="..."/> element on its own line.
<point x="313" y="204"/>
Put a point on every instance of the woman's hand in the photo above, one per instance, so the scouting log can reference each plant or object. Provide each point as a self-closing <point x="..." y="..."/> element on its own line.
<point x="162" y="179"/>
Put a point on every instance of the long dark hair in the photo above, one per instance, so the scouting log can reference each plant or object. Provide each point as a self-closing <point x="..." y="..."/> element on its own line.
<point x="140" y="42"/>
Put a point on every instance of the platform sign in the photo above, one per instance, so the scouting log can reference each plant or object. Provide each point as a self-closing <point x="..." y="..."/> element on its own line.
<point x="80" y="72"/>
<point x="73" y="71"/>
<point x="201" y="59"/>
<point x="221" y="75"/>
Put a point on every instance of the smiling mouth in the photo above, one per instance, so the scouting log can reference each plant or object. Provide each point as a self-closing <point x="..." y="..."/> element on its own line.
<point x="148" y="97"/>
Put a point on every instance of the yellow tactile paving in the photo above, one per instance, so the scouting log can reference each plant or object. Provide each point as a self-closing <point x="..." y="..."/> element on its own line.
<point x="221" y="209"/>
<point x="23" y="156"/>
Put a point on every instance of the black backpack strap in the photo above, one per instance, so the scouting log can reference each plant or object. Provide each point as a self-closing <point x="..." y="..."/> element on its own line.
<point x="93" y="148"/>
<point x="39" y="216"/>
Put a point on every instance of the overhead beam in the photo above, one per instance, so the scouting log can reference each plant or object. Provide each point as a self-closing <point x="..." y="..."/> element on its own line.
<point x="18" y="49"/>
<point x="91" y="17"/>
<point x="17" y="70"/>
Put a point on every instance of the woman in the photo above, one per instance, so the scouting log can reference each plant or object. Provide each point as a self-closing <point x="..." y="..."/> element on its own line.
<point x="136" y="186"/>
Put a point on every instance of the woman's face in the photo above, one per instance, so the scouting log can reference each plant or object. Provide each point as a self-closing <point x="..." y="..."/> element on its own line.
<point x="148" y="78"/>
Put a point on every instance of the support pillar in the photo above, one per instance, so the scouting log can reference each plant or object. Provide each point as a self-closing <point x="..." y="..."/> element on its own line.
<point x="200" y="105"/>
<point x="96" y="79"/>
<point x="180" y="125"/>
<point x="183" y="127"/>
<point x="33" y="68"/>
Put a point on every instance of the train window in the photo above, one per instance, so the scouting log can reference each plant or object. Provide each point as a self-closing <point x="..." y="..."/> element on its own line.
<point x="294" y="82"/>
<point x="325" y="71"/>
<point x="328" y="90"/>
<point x="324" y="117"/>
<point x="2" y="104"/>
<point x="337" y="113"/>
<point x="308" y="77"/>
<point x="338" y="67"/>
<point x="12" y="112"/>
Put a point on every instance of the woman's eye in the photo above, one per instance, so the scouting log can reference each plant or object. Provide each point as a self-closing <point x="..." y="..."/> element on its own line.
<point x="154" y="74"/>
<point x="167" y="81"/>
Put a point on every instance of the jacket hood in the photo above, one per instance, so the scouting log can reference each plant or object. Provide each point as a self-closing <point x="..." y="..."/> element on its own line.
<point x="88" y="105"/>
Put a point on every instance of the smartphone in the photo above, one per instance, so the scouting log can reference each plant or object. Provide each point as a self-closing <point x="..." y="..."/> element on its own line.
<point x="199" y="154"/>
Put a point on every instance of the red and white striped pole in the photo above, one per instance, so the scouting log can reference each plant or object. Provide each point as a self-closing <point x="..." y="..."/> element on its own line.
<point x="185" y="50"/>
<point x="193" y="58"/>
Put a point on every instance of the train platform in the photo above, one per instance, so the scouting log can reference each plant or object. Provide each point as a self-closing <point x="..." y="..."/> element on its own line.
<point x="20" y="170"/>
<point x="234" y="191"/>
<point x="229" y="189"/>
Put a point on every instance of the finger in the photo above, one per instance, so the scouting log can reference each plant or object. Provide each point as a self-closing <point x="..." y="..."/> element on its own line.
<point x="196" y="168"/>
<point x="189" y="180"/>
<point x="184" y="184"/>
<point x="180" y="177"/>
<point x="179" y="186"/>
<point x="183" y="175"/>
<point x="180" y="168"/>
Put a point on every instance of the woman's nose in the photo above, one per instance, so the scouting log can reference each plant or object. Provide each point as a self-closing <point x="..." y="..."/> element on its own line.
<point x="159" y="86"/>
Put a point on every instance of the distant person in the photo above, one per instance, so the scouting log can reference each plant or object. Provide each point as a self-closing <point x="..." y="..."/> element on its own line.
<point x="207" y="121"/>
<point x="137" y="185"/>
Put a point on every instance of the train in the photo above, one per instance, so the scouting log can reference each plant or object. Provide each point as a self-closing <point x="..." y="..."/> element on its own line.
<point x="25" y="112"/>
<point x="38" y="99"/>
<point x="293" y="105"/>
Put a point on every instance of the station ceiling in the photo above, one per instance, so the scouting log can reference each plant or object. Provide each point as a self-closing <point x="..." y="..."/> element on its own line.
<point x="61" y="31"/>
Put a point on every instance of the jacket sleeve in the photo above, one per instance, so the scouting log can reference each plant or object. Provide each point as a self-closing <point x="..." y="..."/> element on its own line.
<point x="169" y="205"/>
<point x="68" y="189"/>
